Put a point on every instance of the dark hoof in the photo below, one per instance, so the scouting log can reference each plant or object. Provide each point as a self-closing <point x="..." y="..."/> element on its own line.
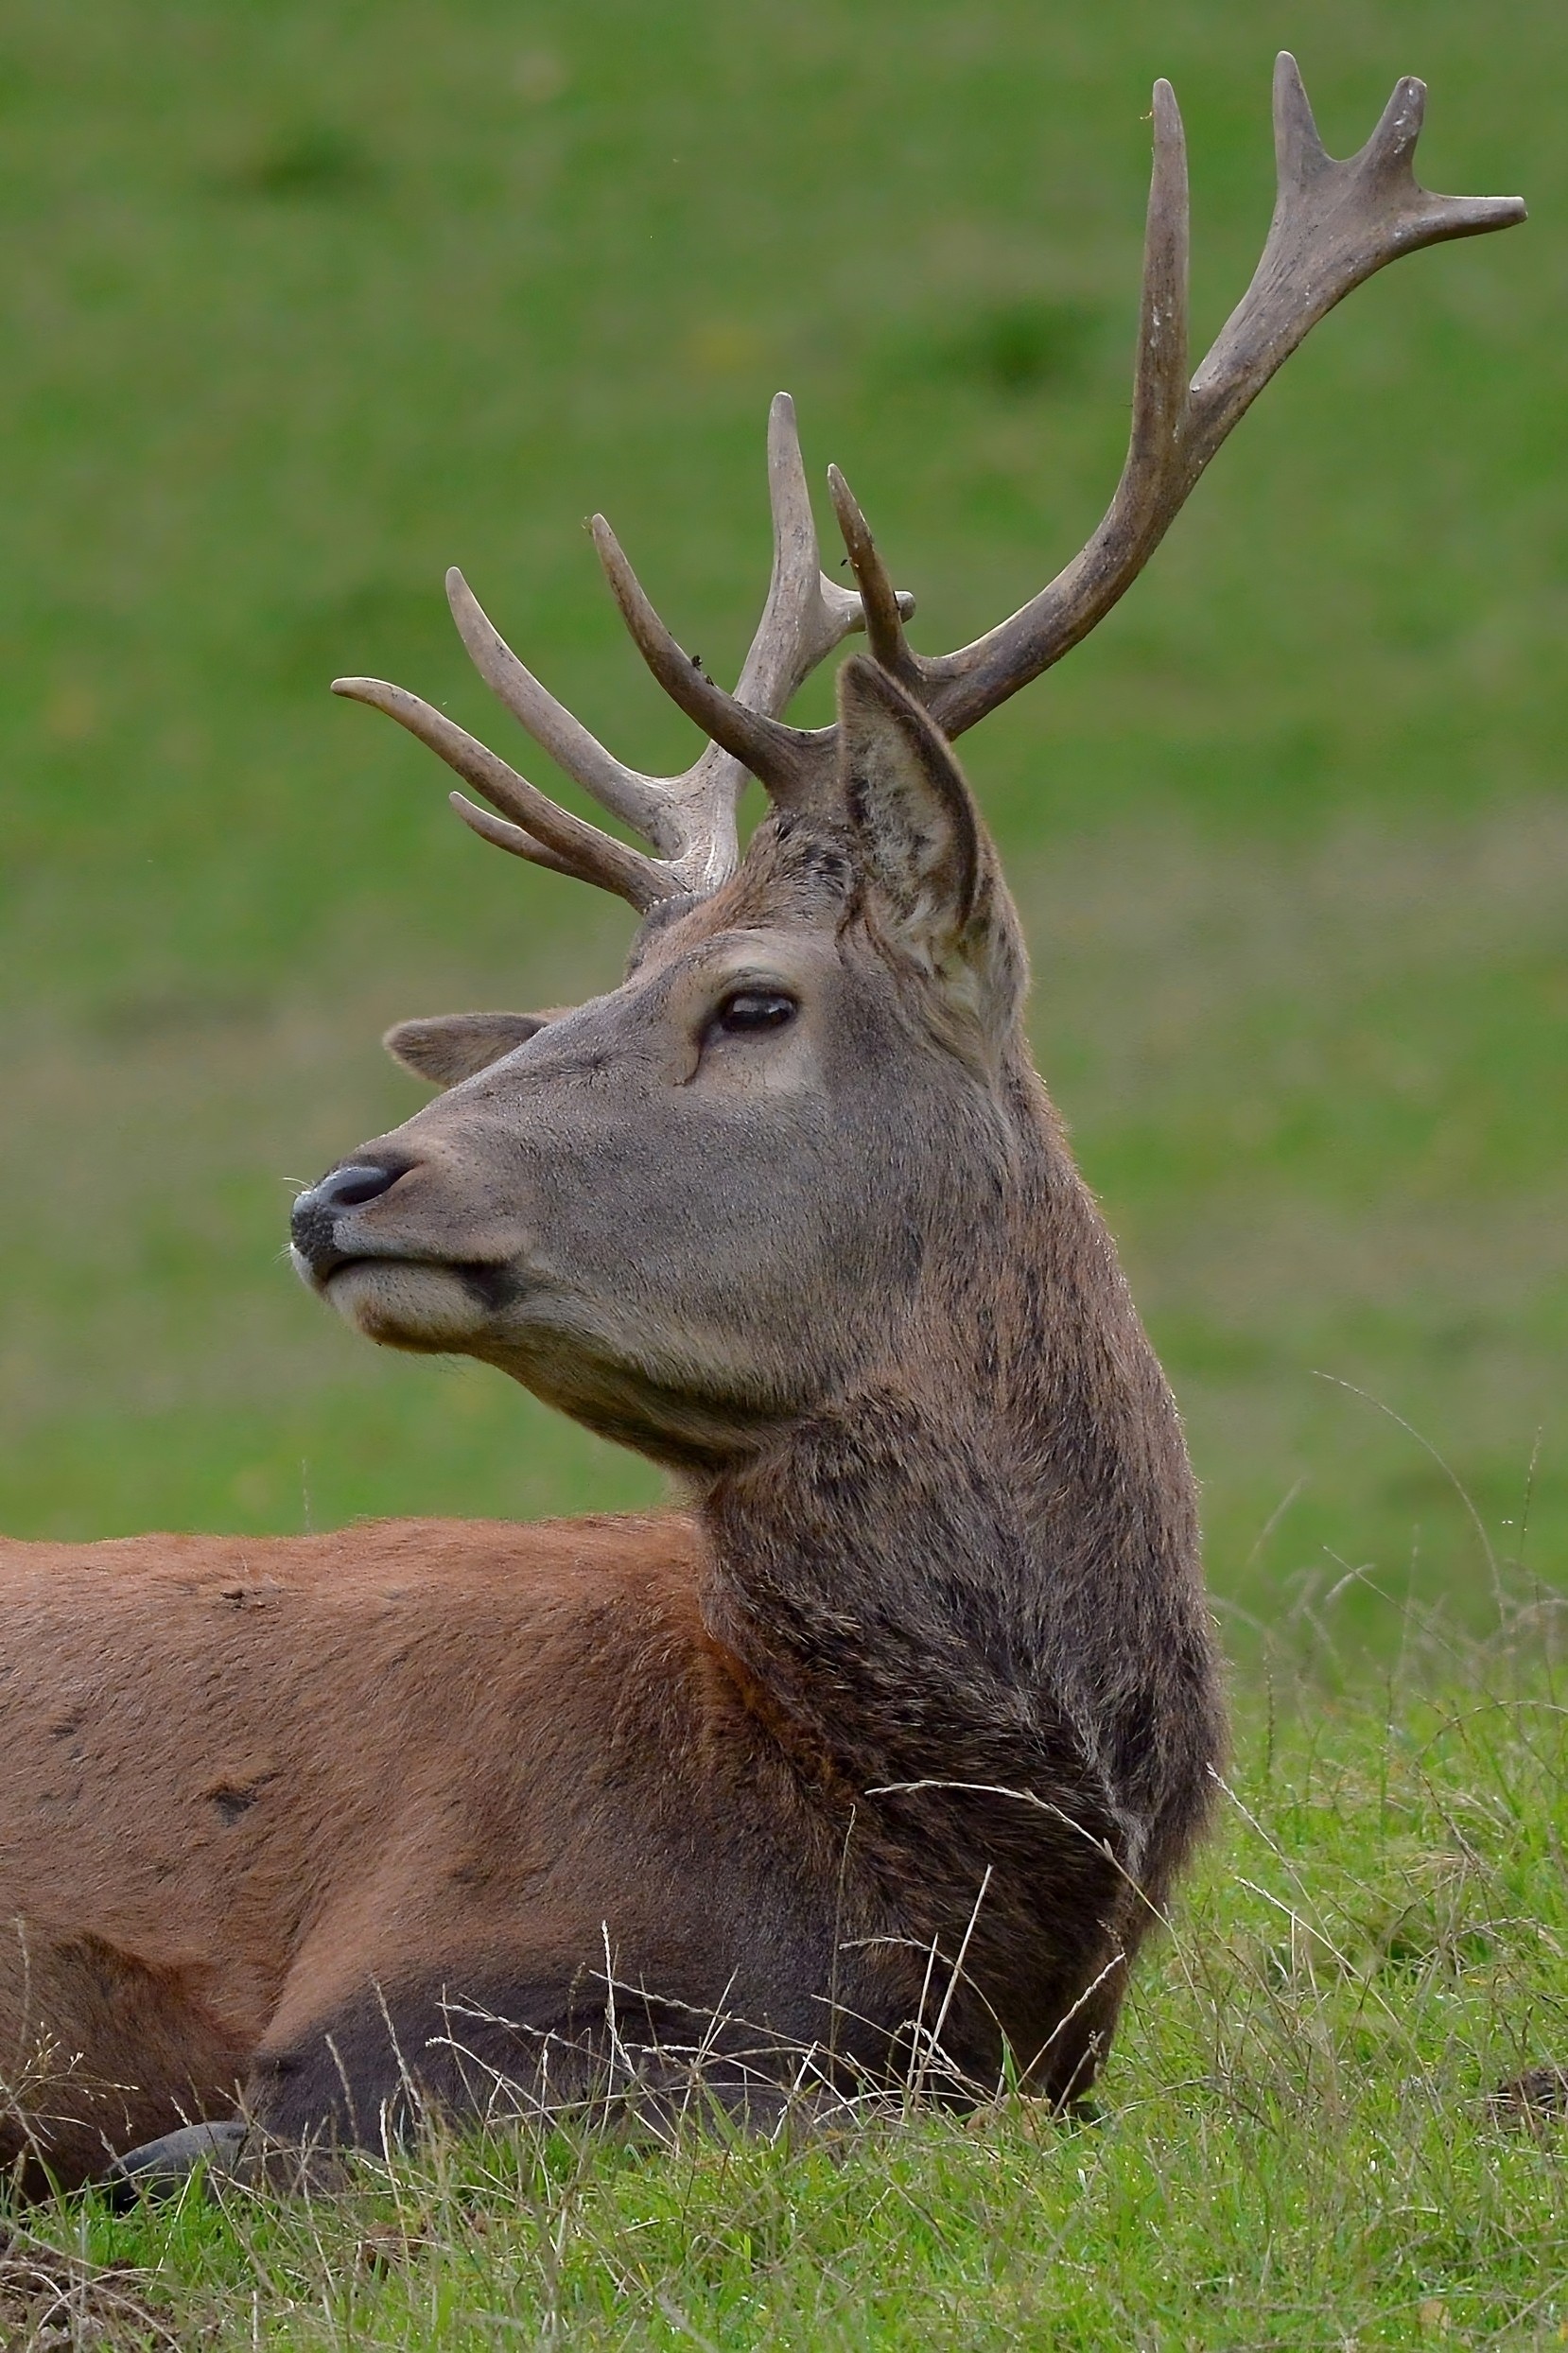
<point x="161" y="2168"/>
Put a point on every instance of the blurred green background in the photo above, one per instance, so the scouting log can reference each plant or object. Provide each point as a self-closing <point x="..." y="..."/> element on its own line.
<point x="302" y="303"/>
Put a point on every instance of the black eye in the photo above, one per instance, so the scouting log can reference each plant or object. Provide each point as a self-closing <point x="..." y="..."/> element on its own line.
<point x="754" y="1009"/>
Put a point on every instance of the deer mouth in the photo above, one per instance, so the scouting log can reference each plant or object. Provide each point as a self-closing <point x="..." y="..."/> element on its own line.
<point x="413" y="1302"/>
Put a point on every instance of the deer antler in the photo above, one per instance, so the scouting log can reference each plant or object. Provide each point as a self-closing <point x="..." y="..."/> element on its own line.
<point x="1335" y="223"/>
<point x="687" y="820"/>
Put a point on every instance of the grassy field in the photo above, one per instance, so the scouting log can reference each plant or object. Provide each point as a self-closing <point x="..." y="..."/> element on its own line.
<point x="304" y="302"/>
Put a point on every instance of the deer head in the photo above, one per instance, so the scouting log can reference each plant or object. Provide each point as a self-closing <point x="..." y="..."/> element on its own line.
<point x="716" y="1197"/>
<point x="692" y="1208"/>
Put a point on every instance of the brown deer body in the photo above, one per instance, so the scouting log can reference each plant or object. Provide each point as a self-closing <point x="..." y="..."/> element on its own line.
<point x="871" y="1769"/>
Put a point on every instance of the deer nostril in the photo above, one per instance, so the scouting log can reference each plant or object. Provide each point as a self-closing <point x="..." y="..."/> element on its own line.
<point x="313" y="1227"/>
<point x="350" y="1188"/>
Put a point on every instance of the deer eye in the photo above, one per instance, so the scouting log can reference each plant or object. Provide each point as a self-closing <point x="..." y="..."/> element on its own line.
<point x="754" y="1009"/>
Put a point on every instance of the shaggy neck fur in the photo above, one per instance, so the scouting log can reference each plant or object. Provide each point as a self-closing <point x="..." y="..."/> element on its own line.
<point x="981" y="1569"/>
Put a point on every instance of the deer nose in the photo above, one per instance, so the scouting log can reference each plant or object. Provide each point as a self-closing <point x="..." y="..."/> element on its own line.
<point x="313" y="1227"/>
<point x="351" y="1187"/>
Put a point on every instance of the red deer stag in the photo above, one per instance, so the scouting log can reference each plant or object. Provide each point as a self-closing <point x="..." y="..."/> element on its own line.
<point x="870" y="1767"/>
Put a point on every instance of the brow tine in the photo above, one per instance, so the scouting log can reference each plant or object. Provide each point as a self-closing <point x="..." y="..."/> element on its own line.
<point x="596" y="856"/>
<point x="514" y="839"/>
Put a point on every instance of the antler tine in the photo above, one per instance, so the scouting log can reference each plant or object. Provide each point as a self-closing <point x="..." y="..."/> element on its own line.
<point x="786" y="759"/>
<point x="1335" y="224"/>
<point x="960" y="687"/>
<point x="507" y="837"/>
<point x="883" y="608"/>
<point x="806" y="614"/>
<point x="690" y="820"/>
<point x="567" y="842"/>
<point x="786" y="644"/>
<point x="578" y="755"/>
<point x="1160" y="372"/>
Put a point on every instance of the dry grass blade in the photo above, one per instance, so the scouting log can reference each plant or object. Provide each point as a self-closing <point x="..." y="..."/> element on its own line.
<point x="1538" y="2097"/>
<point x="50" y="2299"/>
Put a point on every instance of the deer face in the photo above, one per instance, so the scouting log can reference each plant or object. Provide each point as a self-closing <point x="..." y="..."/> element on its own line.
<point x="701" y="1205"/>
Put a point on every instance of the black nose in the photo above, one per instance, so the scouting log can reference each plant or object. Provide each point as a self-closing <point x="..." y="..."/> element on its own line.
<point x="314" y="1223"/>
<point x="350" y="1188"/>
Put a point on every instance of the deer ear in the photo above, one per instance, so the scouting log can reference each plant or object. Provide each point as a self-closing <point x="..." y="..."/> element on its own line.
<point x="939" y="897"/>
<point x="454" y="1045"/>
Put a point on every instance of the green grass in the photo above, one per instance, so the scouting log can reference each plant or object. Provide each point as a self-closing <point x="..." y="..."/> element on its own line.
<point x="1296" y="2147"/>
<point x="302" y="303"/>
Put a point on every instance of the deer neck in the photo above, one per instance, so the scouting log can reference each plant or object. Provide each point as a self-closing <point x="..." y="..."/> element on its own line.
<point x="986" y="1554"/>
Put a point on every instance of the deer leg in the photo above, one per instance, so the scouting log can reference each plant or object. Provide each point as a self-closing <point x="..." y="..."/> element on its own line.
<point x="364" y="2071"/>
<point x="358" y="2069"/>
<point x="104" y="2048"/>
<point x="367" y="2043"/>
<point x="161" y="2168"/>
<point x="1066" y="2070"/>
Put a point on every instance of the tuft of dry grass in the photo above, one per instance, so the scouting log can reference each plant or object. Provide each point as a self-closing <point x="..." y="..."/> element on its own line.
<point x="53" y="2300"/>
